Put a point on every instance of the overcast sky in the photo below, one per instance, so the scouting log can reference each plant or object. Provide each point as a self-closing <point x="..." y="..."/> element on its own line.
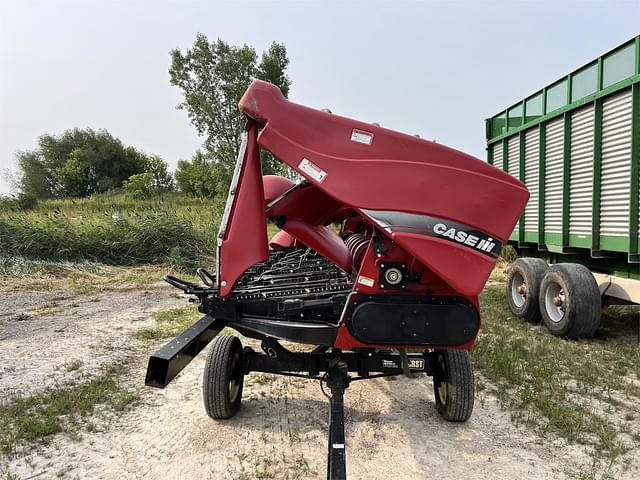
<point x="436" y="68"/>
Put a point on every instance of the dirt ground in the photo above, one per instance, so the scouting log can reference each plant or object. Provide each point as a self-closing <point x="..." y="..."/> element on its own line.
<point x="393" y="430"/>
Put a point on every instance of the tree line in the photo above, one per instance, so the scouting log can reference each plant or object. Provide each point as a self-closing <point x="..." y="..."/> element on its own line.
<point x="212" y="77"/>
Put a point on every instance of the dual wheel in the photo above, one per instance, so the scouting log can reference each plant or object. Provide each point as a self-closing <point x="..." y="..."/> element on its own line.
<point x="453" y="381"/>
<point x="565" y="296"/>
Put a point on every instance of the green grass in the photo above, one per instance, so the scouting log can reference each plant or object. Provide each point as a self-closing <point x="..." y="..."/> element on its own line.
<point x="116" y="230"/>
<point x="254" y="465"/>
<point x="63" y="409"/>
<point x="173" y="230"/>
<point x="584" y="391"/>
<point x="169" y="323"/>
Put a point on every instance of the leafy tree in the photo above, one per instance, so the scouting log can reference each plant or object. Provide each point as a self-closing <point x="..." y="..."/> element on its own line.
<point x="78" y="162"/>
<point x="213" y="77"/>
<point x="140" y="185"/>
<point x="161" y="178"/>
<point x="34" y="178"/>
<point x="75" y="178"/>
<point x="202" y="176"/>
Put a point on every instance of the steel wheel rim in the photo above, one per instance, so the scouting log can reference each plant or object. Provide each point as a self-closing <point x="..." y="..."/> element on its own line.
<point x="554" y="302"/>
<point x="518" y="290"/>
<point x="234" y="378"/>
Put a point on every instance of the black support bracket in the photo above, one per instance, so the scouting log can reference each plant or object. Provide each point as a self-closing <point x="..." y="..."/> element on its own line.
<point x="338" y="381"/>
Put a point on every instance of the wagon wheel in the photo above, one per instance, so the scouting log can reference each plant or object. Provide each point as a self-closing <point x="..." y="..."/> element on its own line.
<point x="223" y="378"/>
<point x="523" y="285"/>
<point x="569" y="301"/>
<point x="453" y="384"/>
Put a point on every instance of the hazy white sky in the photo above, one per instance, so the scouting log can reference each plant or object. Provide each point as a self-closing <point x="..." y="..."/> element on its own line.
<point x="436" y="68"/>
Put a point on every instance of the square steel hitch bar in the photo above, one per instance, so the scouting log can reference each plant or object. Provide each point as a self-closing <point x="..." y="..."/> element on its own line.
<point x="329" y="367"/>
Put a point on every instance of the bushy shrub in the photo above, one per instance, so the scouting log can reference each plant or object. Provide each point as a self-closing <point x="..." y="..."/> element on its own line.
<point x="139" y="185"/>
<point x="26" y="201"/>
<point x="508" y="254"/>
<point x="7" y="203"/>
<point x="23" y="201"/>
<point x="202" y="176"/>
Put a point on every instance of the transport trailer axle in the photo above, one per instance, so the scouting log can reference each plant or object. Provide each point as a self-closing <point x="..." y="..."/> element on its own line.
<point x="332" y="368"/>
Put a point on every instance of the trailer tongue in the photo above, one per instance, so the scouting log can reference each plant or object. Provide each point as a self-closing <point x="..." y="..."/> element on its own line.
<point x="384" y="247"/>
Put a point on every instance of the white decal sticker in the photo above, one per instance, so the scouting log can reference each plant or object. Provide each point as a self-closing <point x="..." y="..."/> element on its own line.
<point x="361" y="136"/>
<point x="366" y="281"/>
<point x="312" y="170"/>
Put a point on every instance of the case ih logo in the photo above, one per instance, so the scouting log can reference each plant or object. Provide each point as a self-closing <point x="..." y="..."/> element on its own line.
<point x="477" y="240"/>
<point x="465" y="238"/>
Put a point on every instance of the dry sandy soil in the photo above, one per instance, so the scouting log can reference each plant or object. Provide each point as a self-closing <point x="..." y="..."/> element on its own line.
<point x="393" y="430"/>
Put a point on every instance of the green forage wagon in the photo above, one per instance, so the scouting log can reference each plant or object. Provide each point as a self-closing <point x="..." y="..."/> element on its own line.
<point x="576" y="145"/>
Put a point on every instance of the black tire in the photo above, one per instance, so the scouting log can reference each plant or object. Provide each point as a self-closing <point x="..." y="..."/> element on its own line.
<point x="453" y="384"/>
<point x="523" y="286"/>
<point x="570" y="301"/>
<point x="223" y="378"/>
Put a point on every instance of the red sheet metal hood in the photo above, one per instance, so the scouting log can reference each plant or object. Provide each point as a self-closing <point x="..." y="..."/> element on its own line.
<point x="374" y="169"/>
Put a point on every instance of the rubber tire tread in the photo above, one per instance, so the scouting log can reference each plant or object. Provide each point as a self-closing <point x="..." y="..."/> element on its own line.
<point x="461" y="390"/>
<point x="584" y="304"/>
<point x="217" y="374"/>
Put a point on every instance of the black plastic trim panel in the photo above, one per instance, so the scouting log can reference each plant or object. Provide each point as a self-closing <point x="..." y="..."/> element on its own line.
<point x="427" y="321"/>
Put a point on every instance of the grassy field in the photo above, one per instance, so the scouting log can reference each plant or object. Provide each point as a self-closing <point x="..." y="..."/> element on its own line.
<point x="587" y="391"/>
<point x="175" y="230"/>
<point x="72" y="408"/>
<point x="67" y="408"/>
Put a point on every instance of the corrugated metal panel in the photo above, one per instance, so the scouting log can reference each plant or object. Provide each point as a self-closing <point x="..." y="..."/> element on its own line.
<point x="616" y="164"/>
<point x="513" y="161"/>
<point x="513" y="156"/>
<point x="553" y="168"/>
<point x="531" y="169"/>
<point x="581" y="171"/>
<point x="497" y="155"/>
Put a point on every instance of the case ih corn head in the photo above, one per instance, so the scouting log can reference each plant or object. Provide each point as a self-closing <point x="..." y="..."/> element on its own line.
<point x="420" y="228"/>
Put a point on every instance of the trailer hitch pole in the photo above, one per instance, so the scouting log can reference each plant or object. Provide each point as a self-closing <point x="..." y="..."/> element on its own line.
<point x="336" y="464"/>
<point x="171" y="359"/>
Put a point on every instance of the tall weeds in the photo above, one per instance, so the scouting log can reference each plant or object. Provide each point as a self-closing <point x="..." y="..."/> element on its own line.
<point x="114" y="230"/>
